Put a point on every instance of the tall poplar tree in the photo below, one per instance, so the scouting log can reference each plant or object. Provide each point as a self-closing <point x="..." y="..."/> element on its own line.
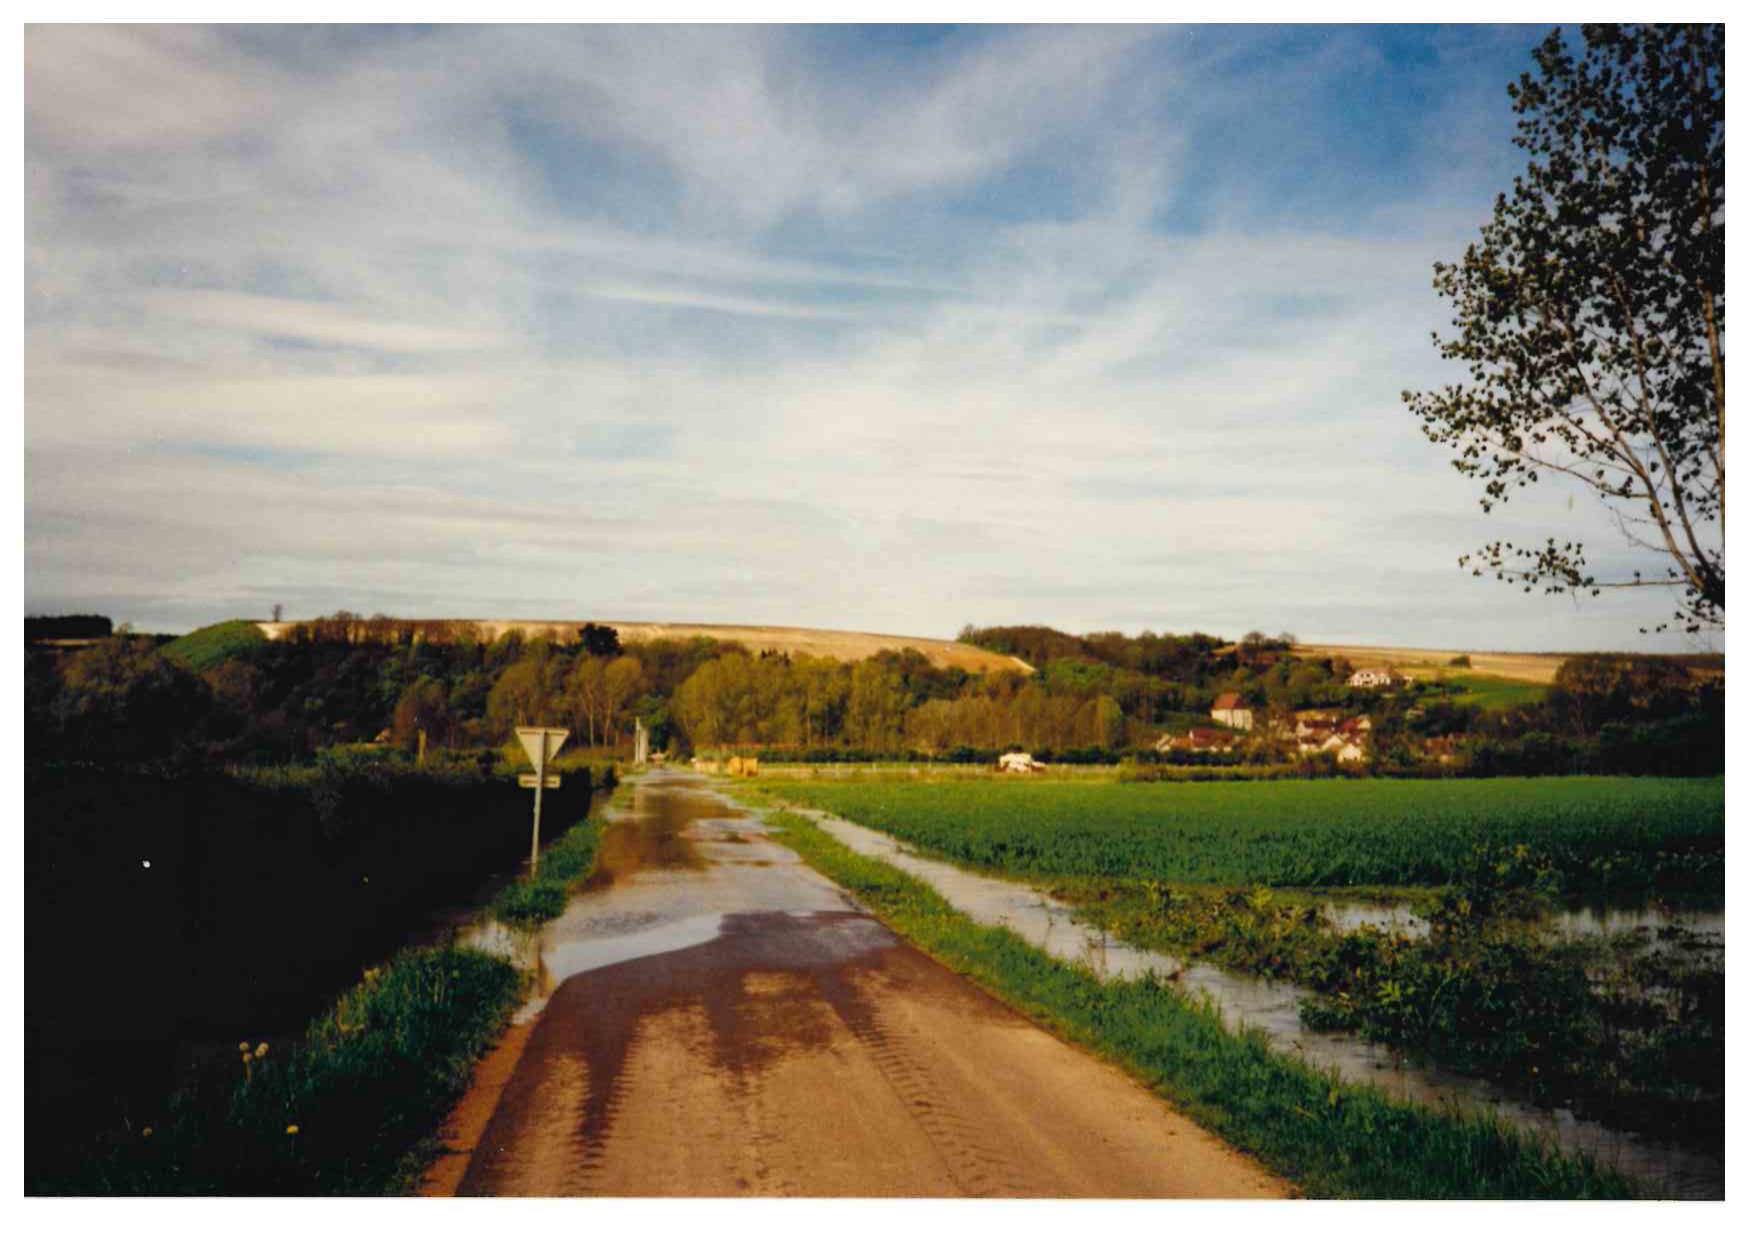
<point x="1590" y="314"/>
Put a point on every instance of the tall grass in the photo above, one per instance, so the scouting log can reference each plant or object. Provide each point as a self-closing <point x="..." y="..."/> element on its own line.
<point x="1332" y="1138"/>
<point x="564" y="866"/>
<point x="348" y="1109"/>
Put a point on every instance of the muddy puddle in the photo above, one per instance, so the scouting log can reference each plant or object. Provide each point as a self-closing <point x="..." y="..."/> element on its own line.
<point x="1273" y="1007"/>
<point x="677" y="864"/>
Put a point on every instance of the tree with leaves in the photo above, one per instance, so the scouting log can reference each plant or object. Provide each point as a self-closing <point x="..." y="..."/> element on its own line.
<point x="1590" y="314"/>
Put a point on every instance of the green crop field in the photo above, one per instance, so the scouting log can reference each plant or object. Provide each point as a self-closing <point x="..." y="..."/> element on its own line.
<point x="1493" y="692"/>
<point x="1596" y="832"/>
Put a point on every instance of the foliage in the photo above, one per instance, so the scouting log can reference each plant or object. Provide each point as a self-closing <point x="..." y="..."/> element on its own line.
<point x="564" y="866"/>
<point x="1599" y="833"/>
<point x="123" y="700"/>
<point x="61" y="628"/>
<point x="600" y="640"/>
<point x="1332" y="1138"/>
<point x="1619" y="1029"/>
<point x="345" y="680"/>
<point x="1591" y="313"/>
<point x="338" y="1112"/>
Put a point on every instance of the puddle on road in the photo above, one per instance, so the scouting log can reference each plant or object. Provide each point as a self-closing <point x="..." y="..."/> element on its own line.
<point x="675" y="865"/>
<point x="1273" y="1007"/>
<point x="650" y="833"/>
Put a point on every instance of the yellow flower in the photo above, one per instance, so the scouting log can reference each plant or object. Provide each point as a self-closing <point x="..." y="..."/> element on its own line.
<point x="145" y="1132"/>
<point x="291" y="1130"/>
<point x="244" y="1047"/>
<point x="261" y="1051"/>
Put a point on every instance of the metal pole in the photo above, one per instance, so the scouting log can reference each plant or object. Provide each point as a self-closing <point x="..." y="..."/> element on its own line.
<point x="539" y="785"/>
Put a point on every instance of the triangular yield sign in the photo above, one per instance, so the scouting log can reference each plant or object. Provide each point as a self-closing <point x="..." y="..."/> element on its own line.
<point x="533" y="738"/>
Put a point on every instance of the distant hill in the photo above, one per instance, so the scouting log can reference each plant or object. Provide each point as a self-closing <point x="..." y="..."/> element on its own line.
<point x="820" y="643"/>
<point x="208" y="647"/>
<point x="1536" y="669"/>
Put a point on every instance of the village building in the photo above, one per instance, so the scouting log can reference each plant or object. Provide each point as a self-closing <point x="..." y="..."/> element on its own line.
<point x="1375" y="678"/>
<point x="1230" y="710"/>
<point x="1344" y="748"/>
<point x="1205" y="740"/>
<point x="1019" y="763"/>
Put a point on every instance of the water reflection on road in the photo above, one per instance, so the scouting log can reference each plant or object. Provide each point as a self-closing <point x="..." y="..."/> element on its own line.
<point x="675" y="860"/>
<point x="1273" y="1007"/>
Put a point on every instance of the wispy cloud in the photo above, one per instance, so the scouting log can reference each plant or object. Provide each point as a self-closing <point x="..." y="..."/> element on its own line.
<point x="887" y="329"/>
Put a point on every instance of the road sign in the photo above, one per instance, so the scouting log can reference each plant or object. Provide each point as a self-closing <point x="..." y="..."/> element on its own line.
<point x="533" y="738"/>
<point x="541" y="744"/>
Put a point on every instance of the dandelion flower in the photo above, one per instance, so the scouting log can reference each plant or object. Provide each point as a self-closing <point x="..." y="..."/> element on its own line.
<point x="145" y="1132"/>
<point x="291" y="1130"/>
<point x="261" y="1051"/>
<point x="244" y="1047"/>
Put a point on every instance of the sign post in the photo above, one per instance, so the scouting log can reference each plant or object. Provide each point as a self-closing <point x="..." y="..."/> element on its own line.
<point x="542" y="744"/>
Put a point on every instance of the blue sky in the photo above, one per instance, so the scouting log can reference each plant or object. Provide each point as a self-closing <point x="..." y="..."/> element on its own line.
<point x="879" y="328"/>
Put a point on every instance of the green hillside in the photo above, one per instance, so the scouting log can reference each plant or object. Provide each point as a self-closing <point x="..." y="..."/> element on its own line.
<point x="208" y="647"/>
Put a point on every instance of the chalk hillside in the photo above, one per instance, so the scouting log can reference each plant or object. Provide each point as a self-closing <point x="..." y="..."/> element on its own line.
<point x="819" y="643"/>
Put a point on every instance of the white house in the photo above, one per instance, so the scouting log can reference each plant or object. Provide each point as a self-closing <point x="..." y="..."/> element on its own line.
<point x="1229" y="710"/>
<point x="1019" y="763"/>
<point x="1344" y="748"/>
<point x="1374" y="678"/>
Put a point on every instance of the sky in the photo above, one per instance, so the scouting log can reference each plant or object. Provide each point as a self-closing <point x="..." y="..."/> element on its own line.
<point x="893" y="329"/>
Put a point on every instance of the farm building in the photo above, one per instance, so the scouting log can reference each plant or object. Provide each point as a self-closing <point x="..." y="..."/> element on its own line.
<point x="1019" y="763"/>
<point x="1374" y="678"/>
<point x="1230" y="710"/>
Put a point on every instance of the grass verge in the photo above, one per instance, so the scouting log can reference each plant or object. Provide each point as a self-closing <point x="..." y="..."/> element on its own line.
<point x="1331" y="1138"/>
<point x="352" y="1108"/>
<point x="349" y="1110"/>
<point x="564" y="866"/>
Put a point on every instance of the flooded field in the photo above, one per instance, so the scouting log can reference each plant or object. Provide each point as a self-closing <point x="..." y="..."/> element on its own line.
<point x="1583" y="922"/>
<point x="1273" y="1007"/>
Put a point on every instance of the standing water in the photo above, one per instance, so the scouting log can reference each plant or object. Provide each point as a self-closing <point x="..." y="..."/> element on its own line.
<point x="672" y="868"/>
<point x="1663" y="1169"/>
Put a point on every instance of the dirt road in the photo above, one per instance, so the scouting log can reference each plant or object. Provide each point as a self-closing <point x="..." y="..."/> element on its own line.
<point x="718" y="1020"/>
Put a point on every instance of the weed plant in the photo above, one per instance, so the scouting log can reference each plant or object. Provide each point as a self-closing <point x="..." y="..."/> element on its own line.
<point x="1330" y="1137"/>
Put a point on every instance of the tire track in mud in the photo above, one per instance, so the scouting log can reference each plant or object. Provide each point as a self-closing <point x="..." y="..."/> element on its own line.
<point x="974" y="1166"/>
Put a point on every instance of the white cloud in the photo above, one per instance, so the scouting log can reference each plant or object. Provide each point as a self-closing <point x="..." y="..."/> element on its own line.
<point x="307" y="319"/>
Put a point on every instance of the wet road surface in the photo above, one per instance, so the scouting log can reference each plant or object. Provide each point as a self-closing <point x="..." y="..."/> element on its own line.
<point x="715" y="1019"/>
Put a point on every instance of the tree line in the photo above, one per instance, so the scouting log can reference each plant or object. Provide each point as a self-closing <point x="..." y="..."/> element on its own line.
<point x="345" y="680"/>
